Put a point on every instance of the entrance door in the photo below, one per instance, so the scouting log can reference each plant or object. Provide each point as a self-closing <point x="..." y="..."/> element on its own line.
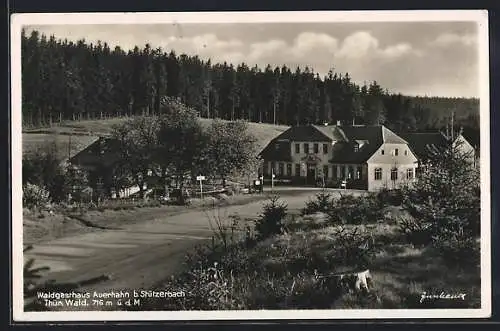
<point x="311" y="174"/>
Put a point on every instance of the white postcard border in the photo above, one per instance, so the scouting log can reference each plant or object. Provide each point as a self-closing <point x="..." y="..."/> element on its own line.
<point x="18" y="20"/>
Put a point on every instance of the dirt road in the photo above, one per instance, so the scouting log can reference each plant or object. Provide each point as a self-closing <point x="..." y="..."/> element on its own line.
<point x="141" y="254"/>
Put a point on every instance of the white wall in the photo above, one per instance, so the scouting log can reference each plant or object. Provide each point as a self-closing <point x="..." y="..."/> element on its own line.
<point x="402" y="162"/>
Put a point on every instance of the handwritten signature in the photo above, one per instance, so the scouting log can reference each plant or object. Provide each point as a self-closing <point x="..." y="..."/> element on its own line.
<point x="442" y="295"/>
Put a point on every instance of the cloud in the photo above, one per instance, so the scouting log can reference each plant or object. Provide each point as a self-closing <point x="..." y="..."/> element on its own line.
<point x="447" y="39"/>
<point x="309" y="42"/>
<point x="357" y="45"/>
<point x="363" y="44"/>
<point x="415" y="59"/>
<point x="207" y="46"/>
<point x="262" y="50"/>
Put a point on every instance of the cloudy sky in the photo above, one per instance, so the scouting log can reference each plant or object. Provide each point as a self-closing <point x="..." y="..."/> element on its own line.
<point x="414" y="58"/>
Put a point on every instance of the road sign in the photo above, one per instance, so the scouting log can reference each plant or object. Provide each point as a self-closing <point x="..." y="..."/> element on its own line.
<point x="201" y="179"/>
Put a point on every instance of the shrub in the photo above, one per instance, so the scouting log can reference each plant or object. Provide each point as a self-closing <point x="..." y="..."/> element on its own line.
<point x="457" y="249"/>
<point x="35" y="196"/>
<point x="416" y="232"/>
<point x="390" y="197"/>
<point x="356" y="210"/>
<point x="31" y="286"/>
<point x="322" y="202"/>
<point x="353" y="247"/>
<point x="271" y="220"/>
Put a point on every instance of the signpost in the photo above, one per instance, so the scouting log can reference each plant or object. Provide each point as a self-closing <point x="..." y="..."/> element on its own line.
<point x="272" y="180"/>
<point x="344" y="184"/>
<point x="201" y="179"/>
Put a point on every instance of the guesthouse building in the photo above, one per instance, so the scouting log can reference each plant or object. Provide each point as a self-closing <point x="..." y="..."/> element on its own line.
<point x="362" y="157"/>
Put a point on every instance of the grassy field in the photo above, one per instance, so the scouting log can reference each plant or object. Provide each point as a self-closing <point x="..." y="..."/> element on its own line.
<point x="295" y="270"/>
<point x="66" y="144"/>
<point x="85" y="132"/>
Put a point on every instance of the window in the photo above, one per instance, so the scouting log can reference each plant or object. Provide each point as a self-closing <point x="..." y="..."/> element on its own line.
<point x="342" y="172"/>
<point x="350" y="175"/>
<point x="281" y="169"/>
<point x="356" y="147"/>
<point x="358" y="172"/>
<point x="288" y="169"/>
<point x="394" y="174"/>
<point x="382" y="152"/>
<point x="273" y="168"/>
<point x="306" y="148"/>
<point x="396" y="151"/>
<point x="277" y="146"/>
<point x="334" y="171"/>
<point x="325" y="171"/>
<point x="378" y="173"/>
<point x="266" y="168"/>
<point x="297" y="169"/>
<point x="316" y="148"/>
<point x="297" y="148"/>
<point x="406" y="152"/>
<point x="409" y="173"/>
<point x="325" y="148"/>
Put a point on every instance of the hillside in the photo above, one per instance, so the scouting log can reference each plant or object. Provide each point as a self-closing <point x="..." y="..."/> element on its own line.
<point x="83" y="133"/>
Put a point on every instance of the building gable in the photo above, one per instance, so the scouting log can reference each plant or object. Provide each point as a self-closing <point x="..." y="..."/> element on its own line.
<point x="362" y="142"/>
<point x="103" y="152"/>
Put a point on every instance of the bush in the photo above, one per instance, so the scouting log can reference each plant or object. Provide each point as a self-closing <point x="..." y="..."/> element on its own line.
<point x="458" y="249"/>
<point x="390" y="197"/>
<point x="356" y="210"/>
<point x="271" y="221"/>
<point x="322" y="202"/>
<point x="31" y="277"/>
<point x="35" y="196"/>
<point x="354" y="247"/>
<point x="416" y="232"/>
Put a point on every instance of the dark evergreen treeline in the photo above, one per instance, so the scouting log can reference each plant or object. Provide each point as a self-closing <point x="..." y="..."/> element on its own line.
<point x="64" y="80"/>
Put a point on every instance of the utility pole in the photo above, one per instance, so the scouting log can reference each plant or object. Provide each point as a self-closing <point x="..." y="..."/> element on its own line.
<point x="69" y="146"/>
<point x="274" y="111"/>
<point x="452" y="128"/>
<point x="272" y="179"/>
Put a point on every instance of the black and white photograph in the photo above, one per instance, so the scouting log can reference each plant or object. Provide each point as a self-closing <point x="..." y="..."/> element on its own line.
<point x="250" y="165"/>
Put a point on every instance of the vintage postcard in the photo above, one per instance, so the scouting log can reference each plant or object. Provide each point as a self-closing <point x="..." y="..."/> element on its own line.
<point x="250" y="165"/>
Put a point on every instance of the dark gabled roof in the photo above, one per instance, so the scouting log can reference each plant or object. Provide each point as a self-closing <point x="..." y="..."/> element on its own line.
<point x="331" y="131"/>
<point x="344" y="152"/>
<point x="424" y="144"/>
<point x="277" y="150"/>
<point x="104" y="152"/>
<point x="346" y="138"/>
<point x="304" y="133"/>
<point x="373" y="137"/>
